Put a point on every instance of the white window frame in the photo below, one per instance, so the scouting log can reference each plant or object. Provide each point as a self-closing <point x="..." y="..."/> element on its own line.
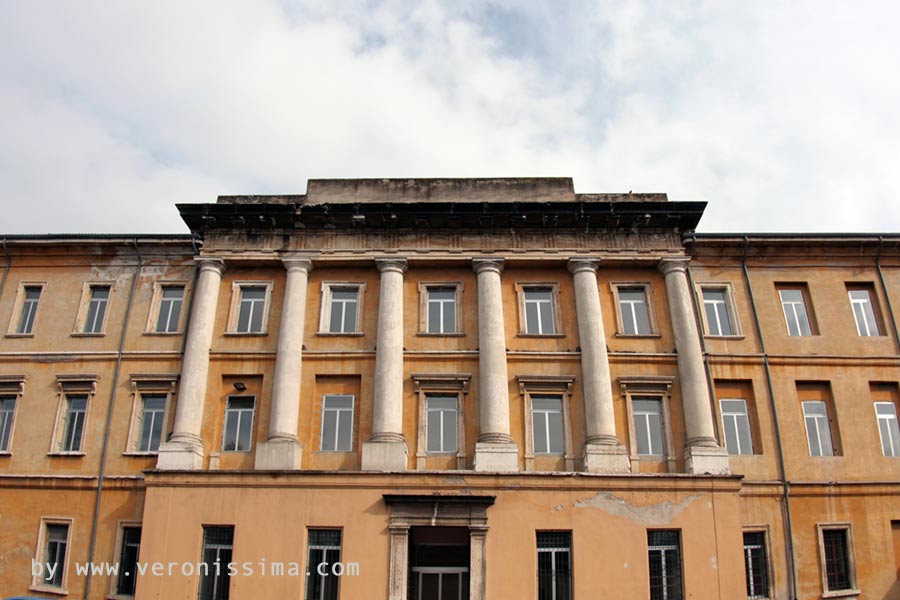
<point x="85" y="304"/>
<point x="328" y="288"/>
<point x="11" y="385"/>
<point x="805" y="302"/>
<point x="120" y="538"/>
<point x="819" y="420"/>
<point x="156" y="305"/>
<point x="865" y="329"/>
<point x="238" y="449"/>
<point x="337" y="423"/>
<point x="149" y="384"/>
<point x="767" y="557"/>
<point x="894" y="432"/>
<point x="75" y="385"/>
<point x="425" y="287"/>
<point x="647" y="288"/>
<point x="853" y="590"/>
<point x="646" y="387"/>
<point x="730" y="308"/>
<point x="522" y="289"/>
<point x="443" y="413"/>
<point x="445" y="384"/>
<point x="40" y="555"/>
<point x="547" y="385"/>
<point x="19" y="308"/>
<point x="234" y="311"/>
<point x="725" y="428"/>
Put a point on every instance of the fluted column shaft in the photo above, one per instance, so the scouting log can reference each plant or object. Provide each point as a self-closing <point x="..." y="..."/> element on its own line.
<point x="387" y="421"/>
<point x="493" y="374"/>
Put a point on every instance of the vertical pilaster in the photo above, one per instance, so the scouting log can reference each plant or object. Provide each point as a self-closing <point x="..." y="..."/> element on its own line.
<point x="399" y="561"/>
<point x="477" y="549"/>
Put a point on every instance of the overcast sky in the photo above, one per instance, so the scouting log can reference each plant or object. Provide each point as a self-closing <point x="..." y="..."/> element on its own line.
<point x="783" y="116"/>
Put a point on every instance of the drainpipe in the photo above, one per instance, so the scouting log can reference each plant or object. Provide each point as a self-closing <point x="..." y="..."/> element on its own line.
<point x="786" y="485"/>
<point x="884" y="291"/>
<point x="109" y="414"/>
<point x="6" y="268"/>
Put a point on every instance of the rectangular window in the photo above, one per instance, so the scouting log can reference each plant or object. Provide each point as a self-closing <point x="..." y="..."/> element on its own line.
<point x="736" y="426"/>
<point x="547" y="424"/>
<point x="441" y="310"/>
<point x="7" y="413"/>
<point x="128" y="557"/>
<point x="554" y="564"/>
<point x="539" y="311"/>
<point x="31" y="297"/>
<point x="238" y="424"/>
<point x="664" y="556"/>
<point x="340" y="308"/>
<point x="648" y="426"/>
<point x="756" y="564"/>
<point x="634" y="311"/>
<point x="837" y="558"/>
<point x="56" y="545"/>
<point x="863" y="311"/>
<point x="323" y="551"/>
<point x="441" y="423"/>
<point x="793" y="303"/>
<point x="96" y="309"/>
<point x="886" y="413"/>
<point x="718" y="314"/>
<point x="215" y="580"/>
<point x="251" y="310"/>
<point x="170" y="303"/>
<point x="337" y="423"/>
<point x="153" y="412"/>
<point x="74" y="419"/>
<point x="818" y="431"/>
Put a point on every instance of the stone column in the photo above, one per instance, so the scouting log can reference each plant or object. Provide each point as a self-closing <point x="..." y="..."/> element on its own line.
<point x="603" y="452"/>
<point x="495" y="449"/>
<point x="282" y="450"/>
<point x="185" y="449"/>
<point x="702" y="454"/>
<point x="386" y="450"/>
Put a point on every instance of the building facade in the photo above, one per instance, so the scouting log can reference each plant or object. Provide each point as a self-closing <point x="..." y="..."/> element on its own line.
<point x="417" y="389"/>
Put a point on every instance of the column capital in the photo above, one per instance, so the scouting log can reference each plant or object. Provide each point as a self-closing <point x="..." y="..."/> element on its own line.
<point x="292" y="263"/>
<point x="487" y="264"/>
<point x="580" y="264"/>
<point x="210" y="263"/>
<point x="398" y="265"/>
<point x="676" y="264"/>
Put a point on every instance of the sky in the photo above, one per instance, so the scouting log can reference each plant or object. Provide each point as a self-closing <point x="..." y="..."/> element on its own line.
<point x="782" y="116"/>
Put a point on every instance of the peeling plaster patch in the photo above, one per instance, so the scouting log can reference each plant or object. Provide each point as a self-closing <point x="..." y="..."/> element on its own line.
<point x="714" y="563"/>
<point x="653" y="514"/>
<point x="557" y="508"/>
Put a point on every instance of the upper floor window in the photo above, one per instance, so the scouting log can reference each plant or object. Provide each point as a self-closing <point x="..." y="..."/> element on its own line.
<point x="441" y="308"/>
<point x="74" y="418"/>
<point x="95" y="302"/>
<point x="647" y="401"/>
<point x="736" y="426"/>
<point x="554" y="564"/>
<point x="7" y="414"/>
<point x="796" y="316"/>
<point x="26" y="309"/>
<point x="442" y="422"/>
<point x="153" y="411"/>
<point x="167" y="306"/>
<point x="538" y="308"/>
<point x="718" y="310"/>
<point x="756" y="564"/>
<point x="152" y="394"/>
<point x="337" y="423"/>
<point x="836" y="556"/>
<point x="818" y="431"/>
<point x="250" y="307"/>
<point x="238" y="433"/>
<point x="218" y="545"/>
<point x="886" y="413"/>
<point x="664" y="556"/>
<point x="861" y="300"/>
<point x="634" y="315"/>
<point x="648" y="426"/>
<point x="341" y="308"/>
<point x="548" y="423"/>
<point x="441" y="419"/>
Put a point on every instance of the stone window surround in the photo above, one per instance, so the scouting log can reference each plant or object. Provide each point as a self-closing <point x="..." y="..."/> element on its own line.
<point x="521" y="287"/>
<point x="730" y="304"/>
<point x="37" y="583"/>
<point x="443" y="383"/>
<point x="658" y="387"/>
<point x="12" y="385"/>
<point x="72" y="384"/>
<point x="19" y="304"/>
<point x="235" y="307"/>
<point x="767" y="538"/>
<point x="141" y="383"/>
<point x="424" y="286"/>
<point x="550" y="385"/>
<point x="120" y="534"/>
<point x="647" y="286"/>
<point x="851" y="559"/>
<point x="156" y="302"/>
<point x="84" y="305"/>
<point x="325" y="308"/>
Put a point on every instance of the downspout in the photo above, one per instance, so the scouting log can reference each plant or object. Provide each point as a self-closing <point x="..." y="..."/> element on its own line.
<point x="6" y="268"/>
<point x="109" y="414"/>
<point x="884" y="291"/>
<point x="786" y="485"/>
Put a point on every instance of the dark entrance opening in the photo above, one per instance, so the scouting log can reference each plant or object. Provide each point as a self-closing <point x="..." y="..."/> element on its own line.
<point x="438" y="563"/>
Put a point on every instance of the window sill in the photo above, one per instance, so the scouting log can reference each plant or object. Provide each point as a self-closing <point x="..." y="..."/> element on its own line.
<point x="20" y="335"/>
<point x="119" y="597"/>
<point x="541" y="335"/>
<point x="236" y="451"/>
<point x="335" y="451"/>
<point x="842" y="594"/>
<point x="340" y="334"/>
<point x="88" y="334"/>
<point x="64" y="454"/>
<point x="629" y="336"/>
<point x="5" y="453"/>
<point x="246" y="333"/>
<point x="49" y="590"/>
<point x="428" y="334"/>
<point x="138" y="453"/>
<point x="163" y="334"/>
<point x="738" y="336"/>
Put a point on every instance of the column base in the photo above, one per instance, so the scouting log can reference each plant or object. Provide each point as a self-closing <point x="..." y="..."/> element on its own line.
<point x="278" y="455"/>
<point x="606" y="458"/>
<point x="706" y="460"/>
<point x="384" y="456"/>
<point x="179" y="456"/>
<point x="494" y="457"/>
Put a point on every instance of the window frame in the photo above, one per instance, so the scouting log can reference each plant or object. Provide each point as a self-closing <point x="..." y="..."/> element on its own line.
<point x="730" y="308"/>
<point x="18" y="310"/>
<point x="647" y="287"/>
<point x="631" y="388"/>
<point x="816" y="418"/>
<point x="237" y="449"/>
<point x="424" y="288"/>
<point x="119" y="552"/>
<point x="553" y="551"/>
<point x="313" y="572"/>
<point x="237" y="295"/>
<point x="156" y="305"/>
<point x="14" y="386"/>
<point x="893" y="432"/>
<point x="148" y="384"/>
<point x="749" y="422"/>
<point x="72" y="385"/>
<point x="522" y="289"/>
<point x="547" y="385"/>
<point x="87" y="295"/>
<point x="215" y="574"/>
<point x="679" y="548"/>
<point x="352" y="409"/>
<point x="872" y="300"/>
<point x="827" y="592"/>
<point x="40" y="555"/>
<point x="806" y="302"/>
<point x="769" y="591"/>
<point x="327" y="290"/>
<point x="446" y="384"/>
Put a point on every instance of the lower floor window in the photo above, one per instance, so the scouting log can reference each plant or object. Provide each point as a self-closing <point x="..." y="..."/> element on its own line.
<point x="554" y="554"/>
<point x="131" y="547"/>
<point x="755" y="564"/>
<point x="664" y="554"/>
<point x="836" y="555"/>
<point x="324" y="551"/>
<point x="215" y="579"/>
<point x="55" y="558"/>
